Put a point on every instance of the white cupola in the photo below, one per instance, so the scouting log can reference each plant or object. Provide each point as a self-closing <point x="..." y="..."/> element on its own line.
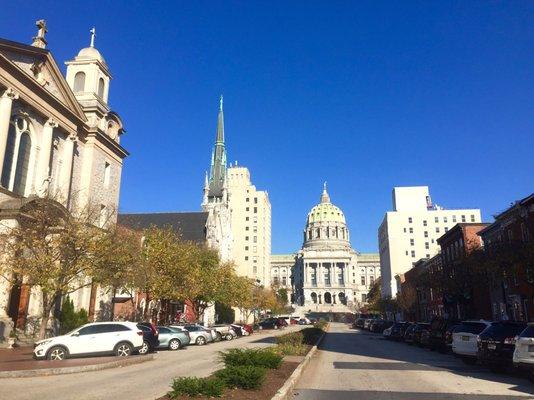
<point x="88" y="76"/>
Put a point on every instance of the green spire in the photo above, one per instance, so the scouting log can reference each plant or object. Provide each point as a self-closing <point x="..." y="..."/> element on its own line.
<point x="218" y="158"/>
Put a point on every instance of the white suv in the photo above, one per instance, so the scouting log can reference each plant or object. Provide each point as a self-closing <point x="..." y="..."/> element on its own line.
<point x="524" y="350"/>
<point x="119" y="338"/>
<point x="464" y="339"/>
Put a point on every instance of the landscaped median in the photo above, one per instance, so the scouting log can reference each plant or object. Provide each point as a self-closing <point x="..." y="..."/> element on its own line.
<point x="252" y="374"/>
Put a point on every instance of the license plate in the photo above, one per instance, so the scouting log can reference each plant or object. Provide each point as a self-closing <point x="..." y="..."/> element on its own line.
<point x="531" y="348"/>
<point x="491" y="346"/>
<point x="465" y="338"/>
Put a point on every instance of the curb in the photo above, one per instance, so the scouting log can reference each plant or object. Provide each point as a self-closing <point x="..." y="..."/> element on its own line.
<point x="31" y="373"/>
<point x="285" y="391"/>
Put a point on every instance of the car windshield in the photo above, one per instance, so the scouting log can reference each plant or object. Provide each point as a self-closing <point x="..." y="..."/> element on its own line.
<point x="470" y="327"/>
<point x="528" y="332"/>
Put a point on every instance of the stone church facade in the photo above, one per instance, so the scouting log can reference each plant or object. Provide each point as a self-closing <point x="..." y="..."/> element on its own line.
<point x="59" y="141"/>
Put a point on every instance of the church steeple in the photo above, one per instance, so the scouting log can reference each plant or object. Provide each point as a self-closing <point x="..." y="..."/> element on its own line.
<point x="217" y="176"/>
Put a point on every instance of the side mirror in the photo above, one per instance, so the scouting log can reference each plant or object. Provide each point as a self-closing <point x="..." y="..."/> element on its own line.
<point x="76" y="334"/>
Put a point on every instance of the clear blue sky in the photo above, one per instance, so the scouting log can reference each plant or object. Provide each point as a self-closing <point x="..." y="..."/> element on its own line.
<point x="364" y="94"/>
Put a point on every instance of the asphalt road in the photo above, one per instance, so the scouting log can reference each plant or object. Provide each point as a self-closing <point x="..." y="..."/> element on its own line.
<point x="146" y="381"/>
<point x="355" y="364"/>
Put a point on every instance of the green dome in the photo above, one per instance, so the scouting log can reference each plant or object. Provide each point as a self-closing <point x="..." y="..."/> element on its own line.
<point x="326" y="212"/>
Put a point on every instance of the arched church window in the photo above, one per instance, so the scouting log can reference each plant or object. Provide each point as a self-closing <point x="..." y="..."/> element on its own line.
<point x="23" y="163"/>
<point x="101" y="88"/>
<point x="9" y="155"/>
<point x="79" y="82"/>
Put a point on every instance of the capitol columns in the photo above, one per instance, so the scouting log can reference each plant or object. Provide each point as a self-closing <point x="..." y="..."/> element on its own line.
<point x="6" y="103"/>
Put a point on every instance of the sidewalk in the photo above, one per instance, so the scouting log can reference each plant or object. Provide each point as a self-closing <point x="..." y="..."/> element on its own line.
<point x="20" y="359"/>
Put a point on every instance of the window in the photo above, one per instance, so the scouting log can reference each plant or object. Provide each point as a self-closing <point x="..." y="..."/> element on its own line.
<point x="247" y="209"/>
<point x="247" y="199"/>
<point x="255" y="239"/>
<point x="101" y="88"/>
<point x="255" y="229"/>
<point x="437" y="229"/>
<point x="412" y="242"/>
<point x="23" y="162"/>
<point x="432" y="240"/>
<point x="107" y="173"/>
<point x="246" y="237"/>
<point x="404" y="230"/>
<point x="446" y="229"/>
<point x="103" y="215"/>
<point x="411" y="230"/>
<point x="413" y="254"/>
<point x="428" y="256"/>
<point x="255" y="220"/>
<point x="364" y="297"/>
<point x="246" y="248"/>
<point x="254" y="269"/>
<point x="246" y="228"/>
<point x="255" y="200"/>
<point x="79" y="82"/>
<point x="362" y="280"/>
<point x="445" y="219"/>
<point x="246" y="218"/>
<point x="406" y="252"/>
<point x="371" y="280"/>
<point x="246" y="258"/>
<point x="9" y="156"/>
<point x="424" y="222"/>
<point x="472" y="218"/>
<point x="427" y="245"/>
<point x="436" y="220"/>
<point x="426" y="234"/>
<point x="454" y="218"/>
<point x="255" y="259"/>
<point x="463" y="218"/>
<point x="284" y="281"/>
<point x="409" y="220"/>
<point x="255" y="249"/>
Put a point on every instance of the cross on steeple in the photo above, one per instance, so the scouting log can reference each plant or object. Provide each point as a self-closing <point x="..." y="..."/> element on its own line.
<point x="93" y="35"/>
<point x="39" y="40"/>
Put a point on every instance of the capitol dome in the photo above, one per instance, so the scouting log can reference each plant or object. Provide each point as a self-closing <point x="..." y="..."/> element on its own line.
<point x="326" y="225"/>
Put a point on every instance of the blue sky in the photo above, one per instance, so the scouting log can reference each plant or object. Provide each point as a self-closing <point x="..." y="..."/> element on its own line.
<point x="366" y="95"/>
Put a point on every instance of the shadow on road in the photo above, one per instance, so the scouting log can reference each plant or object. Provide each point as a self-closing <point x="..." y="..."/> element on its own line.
<point x="389" y="355"/>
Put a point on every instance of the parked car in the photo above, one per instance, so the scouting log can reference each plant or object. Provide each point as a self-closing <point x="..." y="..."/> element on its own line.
<point x="464" y="339"/>
<point x="294" y="321"/>
<point x="440" y="333"/>
<point x="272" y="323"/>
<point x="249" y="329"/>
<point x="524" y="350"/>
<point x="150" y="337"/>
<point x="199" y="335"/>
<point x="397" y="330"/>
<point x="358" y="323"/>
<point x="119" y="338"/>
<point x="239" y="330"/>
<point x="224" y="332"/>
<point x="496" y="344"/>
<point x="408" y="334"/>
<point x="367" y="323"/>
<point x="419" y="335"/>
<point x="379" y="325"/>
<point x="172" y="338"/>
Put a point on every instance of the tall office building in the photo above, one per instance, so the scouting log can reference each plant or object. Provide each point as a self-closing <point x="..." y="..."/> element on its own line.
<point x="410" y="232"/>
<point x="251" y="226"/>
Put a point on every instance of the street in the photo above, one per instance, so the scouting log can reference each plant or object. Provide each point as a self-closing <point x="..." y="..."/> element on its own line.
<point x="353" y="364"/>
<point x="145" y="381"/>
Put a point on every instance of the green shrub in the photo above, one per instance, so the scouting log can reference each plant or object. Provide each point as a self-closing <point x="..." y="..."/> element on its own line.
<point x="292" y="349"/>
<point x="266" y="358"/>
<point x="211" y="387"/>
<point x="242" y="376"/>
<point x="311" y="335"/>
<point x="69" y="318"/>
<point x="321" y="324"/>
<point x="290" y="338"/>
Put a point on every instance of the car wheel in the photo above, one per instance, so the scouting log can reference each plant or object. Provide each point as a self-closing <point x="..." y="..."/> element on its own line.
<point x="276" y="327"/>
<point x="175" y="344"/>
<point x="123" y="349"/>
<point x="229" y="337"/>
<point x="57" y="353"/>
<point x="145" y="348"/>
<point x="201" y="340"/>
<point x="246" y="333"/>
<point x="219" y="336"/>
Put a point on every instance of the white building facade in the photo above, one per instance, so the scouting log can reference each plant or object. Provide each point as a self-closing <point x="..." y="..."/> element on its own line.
<point x="410" y="232"/>
<point x="59" y="140"/>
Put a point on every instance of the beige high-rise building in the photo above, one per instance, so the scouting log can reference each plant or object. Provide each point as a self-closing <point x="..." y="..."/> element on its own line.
<point x="410" y="232"/>
<point x="251" y="226"/>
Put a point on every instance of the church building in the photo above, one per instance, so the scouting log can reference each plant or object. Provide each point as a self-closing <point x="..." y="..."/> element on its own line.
<point x="59" y="143"/>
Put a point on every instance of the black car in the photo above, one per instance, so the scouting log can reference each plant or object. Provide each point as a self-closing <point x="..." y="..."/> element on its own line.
<point x="358" y="323"/>
<point x="380" y="325"/>
<point x="398" y="330"/>
<point x="414" y="331"/>
<point x="150" y="337"/>
<point x="271" y="323"/>
<point x="496" y="344"/>
<point x="440" y="333"/>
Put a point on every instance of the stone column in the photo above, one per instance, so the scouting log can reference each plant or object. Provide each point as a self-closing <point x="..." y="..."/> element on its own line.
<point x="43" y="172"/>
<point x="66" y="168"/>
<point x="306" y="271"/>
<point x="6" y="102"/>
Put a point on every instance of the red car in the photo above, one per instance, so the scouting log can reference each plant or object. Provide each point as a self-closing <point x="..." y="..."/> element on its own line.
<point x="248" y="328"/>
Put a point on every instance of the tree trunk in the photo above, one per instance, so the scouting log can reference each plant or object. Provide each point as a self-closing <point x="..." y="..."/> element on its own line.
<point x="48" y="302"/>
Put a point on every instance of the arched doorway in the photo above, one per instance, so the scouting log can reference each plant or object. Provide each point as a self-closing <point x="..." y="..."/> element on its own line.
<point x="342" y="298"/>
<point x="328" y="298"/>
<point x="314" y="297"/>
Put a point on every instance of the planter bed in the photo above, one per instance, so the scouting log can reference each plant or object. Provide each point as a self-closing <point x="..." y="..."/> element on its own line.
<point x="274" y="380"/>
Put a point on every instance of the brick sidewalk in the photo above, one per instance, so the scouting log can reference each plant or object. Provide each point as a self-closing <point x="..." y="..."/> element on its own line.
<point x="20" y="359"/>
